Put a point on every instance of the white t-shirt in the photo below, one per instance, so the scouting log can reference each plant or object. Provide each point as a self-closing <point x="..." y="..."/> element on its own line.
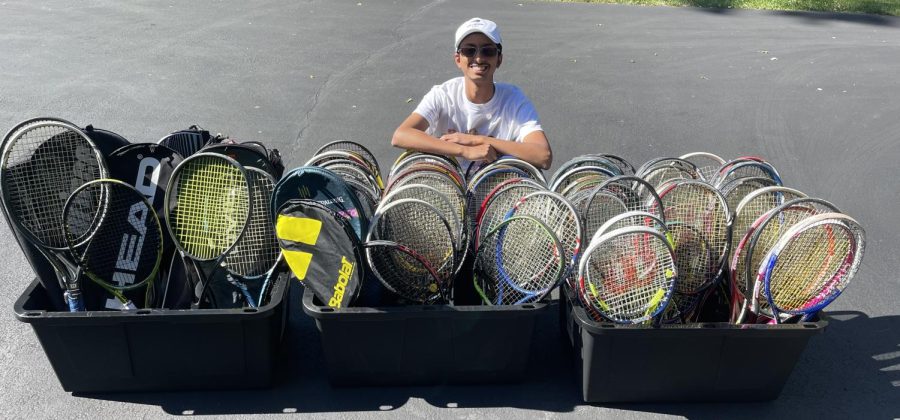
<point x="509" y="115"/>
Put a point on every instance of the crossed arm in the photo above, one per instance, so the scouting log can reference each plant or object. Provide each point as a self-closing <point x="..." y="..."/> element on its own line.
<point x="534" y="149"/>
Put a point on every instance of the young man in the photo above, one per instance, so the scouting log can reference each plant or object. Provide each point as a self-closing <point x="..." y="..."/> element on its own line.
<point x="472" y="117"/>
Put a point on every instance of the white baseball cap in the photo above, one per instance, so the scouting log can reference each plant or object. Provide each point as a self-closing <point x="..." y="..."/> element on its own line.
<point x="475" y="25"/>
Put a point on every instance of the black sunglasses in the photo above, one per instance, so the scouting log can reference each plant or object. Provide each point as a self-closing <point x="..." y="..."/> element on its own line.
<point x="486" y="51"/>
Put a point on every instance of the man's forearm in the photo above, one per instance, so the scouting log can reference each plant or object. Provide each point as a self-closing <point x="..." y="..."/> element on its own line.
<point x="411" y="138"/>
<point x="535" y="154"/>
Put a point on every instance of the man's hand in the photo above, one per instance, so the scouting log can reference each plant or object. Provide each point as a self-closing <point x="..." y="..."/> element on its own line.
<point x="479" y="152"/>
<point x="465" y="139"/>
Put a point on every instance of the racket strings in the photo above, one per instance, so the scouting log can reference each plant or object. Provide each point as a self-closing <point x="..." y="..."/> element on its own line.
<point x="485" y="183"/>
<point x="699" y="206"/>
<point x="629" y="276"/>
<point x="811" y="268"/>
<point x="500" y="202"/>
<point x="736" y="191"/>
<point x="437" y="199"/>
<point x="44" y="165"/>
<point x="599" y="208"/>
<point x="748" y="211"/>
<point x="559" y="216"/>
<point x="211" y="206"/>
<point x="421" y="228"/>
<point x="747" y="170"/>
<point x="519" y="258"/>
<point x="257" y="249"/>
<point x="768" y="234"/>
<point x="447" y="188"/>
<point x="121" y="246"/>
<point x="404" y="272"/>
<point x="656" y="176"/>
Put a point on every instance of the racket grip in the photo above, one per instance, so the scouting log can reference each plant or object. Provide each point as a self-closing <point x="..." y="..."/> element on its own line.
<point x="73" y="299"/>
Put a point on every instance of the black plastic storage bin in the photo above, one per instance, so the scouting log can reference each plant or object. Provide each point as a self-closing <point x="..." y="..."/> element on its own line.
<point x="156" y="349"/>
<point x="425" y="345"/>
<point x="682" y="363"/>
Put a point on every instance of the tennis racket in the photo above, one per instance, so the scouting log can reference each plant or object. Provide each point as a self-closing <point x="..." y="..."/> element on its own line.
<point x="208" y="207"/>
<point x="628" y="275"/>
<point x="760" y="238"/>
<point x="498" y="202"/>
<point x="358" y="149"/>
<point x="519" y="261"/>
<point x="696" y="215"/>
<point x="115" y="237"/>
<point x="404" y="272"/>
<point x="707" y="163"/>
<point x="42" y="163"/>
<point x="812" y="264"/>
<point x="744" y="169"/>
<point x="253" y="259"/>
<point x="632" y="218"/>
<point x="421" y="227"/>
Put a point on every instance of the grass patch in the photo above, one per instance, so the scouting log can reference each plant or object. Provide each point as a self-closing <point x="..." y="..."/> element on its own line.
<point x="877" y="7"/>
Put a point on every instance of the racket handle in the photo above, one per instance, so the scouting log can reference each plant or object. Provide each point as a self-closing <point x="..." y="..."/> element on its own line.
<point x="73" y="299"/>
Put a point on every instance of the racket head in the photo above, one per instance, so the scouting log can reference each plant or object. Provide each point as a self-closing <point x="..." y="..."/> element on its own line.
<point x="812" y="263"/>
<point x="635" y="192"/>
<point x="432" y="175"/>
<point x="707" y="163"/>
<point x="257" y="251"/>
<point x="624" y="166"/>
<point x="562" y="219"/>
<point x="629" y="275"/>
<point x="744" y="169"/>
<point x="514" y="162"/>
<point x="437" y="199"/>
<point x="358" y="149"/>
<point x="595" y="160"/>
<point x="207" y="205"/>
<point x="661" y="170"/>
<point x="484" y="182"/>
<point x="698" y="209"/>
<point x="114" y="234"/>
<point x="350" y="171"/>
<point x="417" y="167"/>
<point x="415" y="155"/>
<point x="404" y="272"/>
<point x="438" y="160"/>
<point x="763" y="235"/>
<point x="632" y="218"/>
<point x="735" y="190"/>
<point x="575" y="174"/>
<point x="500" y="200"/>
<point x="421" y="227"/>
<point x="519" y="261"/>
<point x="42" y="163"/>
<point x="321" y="249"/>
<point x="747" y="211"/>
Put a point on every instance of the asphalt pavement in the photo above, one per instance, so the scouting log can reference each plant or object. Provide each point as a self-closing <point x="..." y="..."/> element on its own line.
<point x="816" y="94"/>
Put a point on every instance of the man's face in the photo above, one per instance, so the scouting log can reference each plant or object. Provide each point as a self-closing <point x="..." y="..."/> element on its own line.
<point x="480" y="66"/>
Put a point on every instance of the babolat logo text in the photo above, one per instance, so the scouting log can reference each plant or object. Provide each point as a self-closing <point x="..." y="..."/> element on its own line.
<point x="341" y="286"/>
<point x="131" y="245"/>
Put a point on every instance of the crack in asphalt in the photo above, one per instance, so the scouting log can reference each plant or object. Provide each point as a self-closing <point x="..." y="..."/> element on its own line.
<point x="361" y="63"/>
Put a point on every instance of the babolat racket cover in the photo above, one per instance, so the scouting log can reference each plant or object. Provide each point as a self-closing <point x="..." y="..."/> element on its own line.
<point x="323" y="187"/>
<point x="321" y="250"/>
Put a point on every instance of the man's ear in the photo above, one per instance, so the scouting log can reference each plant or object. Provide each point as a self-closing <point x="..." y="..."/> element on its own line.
<point x="499" y="59"/>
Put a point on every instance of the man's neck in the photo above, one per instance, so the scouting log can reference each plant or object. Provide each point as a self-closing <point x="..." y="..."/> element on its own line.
<point x="479" y="93"/>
